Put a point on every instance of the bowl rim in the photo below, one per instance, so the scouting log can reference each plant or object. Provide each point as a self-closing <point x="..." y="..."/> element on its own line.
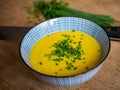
<point x="109" y="47"/>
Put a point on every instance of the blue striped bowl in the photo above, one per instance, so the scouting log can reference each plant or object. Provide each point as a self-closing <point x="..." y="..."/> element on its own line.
<point x="56" y="25"/>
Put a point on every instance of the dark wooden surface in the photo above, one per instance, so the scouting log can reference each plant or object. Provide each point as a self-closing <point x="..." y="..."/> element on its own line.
<point x="14" y="75"/>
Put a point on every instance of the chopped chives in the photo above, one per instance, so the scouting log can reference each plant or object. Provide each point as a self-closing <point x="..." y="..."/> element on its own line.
<point x="56" y="72"/>
<point x="66" y="62"/>
<point x="74" y="42"/>
<point x="56" y="64"/>
<point x="73" y="60"/>
<point x="73" y="36"/>
<point x="48" y="35"/>
<point x="84" y="62"/>
<point x="81" y="38"/>
<point x="68" y="68"/>
<point x="98" y="50"/>
<point x="63" y="49"/>
<point x="40" y="63"/>
<point x="70" y="41"/>
<point x="79" y="42"/>
<point x="87" y="67"/>
<point x="83" y="58"/>
<point x="60" y="69"/>
<point x="73" y="31"/>
<point x="74" y="68"/>
<point x="82" y="35"/>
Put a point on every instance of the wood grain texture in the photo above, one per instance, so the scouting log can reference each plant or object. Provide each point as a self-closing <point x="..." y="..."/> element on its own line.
<point x="14" y="75"/>
<point x="14" y="13"/>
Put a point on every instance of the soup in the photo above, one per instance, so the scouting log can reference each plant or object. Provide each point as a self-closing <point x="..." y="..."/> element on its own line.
<point x="65" y="53"/>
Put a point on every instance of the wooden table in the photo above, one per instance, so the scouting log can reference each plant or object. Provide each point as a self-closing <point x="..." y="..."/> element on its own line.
<point x="14" y="75"/>
<point x="14" y="13"/>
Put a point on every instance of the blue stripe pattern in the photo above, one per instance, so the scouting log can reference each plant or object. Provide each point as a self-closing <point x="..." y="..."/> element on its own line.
<point x="59" y="24"/>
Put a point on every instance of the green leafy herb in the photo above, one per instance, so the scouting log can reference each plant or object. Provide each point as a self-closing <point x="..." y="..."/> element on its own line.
<point x="56" y="64"/>
<point x="30" y="10"/>
<point x="73" y="60"/>
<point x="66" y="62"/>
<point x="87" y="67"/>
<point x="82" y="35"/>
<point x="74" y="42"/>
<point x="73" y="30"/>
<point x="40" y="63"/>
<point x="73" y="36"/>
<point x="84" y="62"/>
<point x="83" y="58"/>
<point x="64" y="48"/>
<point x="55" y="9"/>
<point x="56" y="72"/>
<point x="74" y="68"/>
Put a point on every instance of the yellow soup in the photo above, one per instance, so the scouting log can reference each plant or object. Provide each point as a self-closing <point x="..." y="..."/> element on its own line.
<point x="65" y="53"/>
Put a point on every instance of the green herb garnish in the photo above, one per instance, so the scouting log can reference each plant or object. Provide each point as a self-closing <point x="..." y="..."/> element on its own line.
<point x="60" y="69"/>
<point x="65" y="49"/>
<point x="83" y="58"/>
<point x="30" y="10"/>
<point x="56" y="72"/>
<point x="56" y="64"/>
<point x="87" y="67"/>
<point x="55" y="9"/>
<point x="82" y="35"/>
<point x="73" y="36"/>
<point x="40" y="63"/>
<point x="74" y="68"/>
<point x="73" y="30"/>
<point x="74" y="42"/>
<point x="84" y="62"/>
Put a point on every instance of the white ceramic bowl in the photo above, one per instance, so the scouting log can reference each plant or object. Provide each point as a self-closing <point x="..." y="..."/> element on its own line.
<point x="56" y="25"/>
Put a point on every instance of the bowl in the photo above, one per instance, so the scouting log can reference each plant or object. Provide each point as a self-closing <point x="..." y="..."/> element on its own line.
<point x="56" y="25"/>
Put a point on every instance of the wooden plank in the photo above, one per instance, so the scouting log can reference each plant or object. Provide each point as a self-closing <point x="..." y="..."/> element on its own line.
<point x="14" y="13"/>
<point x="14" y="75"/>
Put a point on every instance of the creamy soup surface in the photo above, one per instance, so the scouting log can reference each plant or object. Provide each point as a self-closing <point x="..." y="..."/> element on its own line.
<point x="65" y="53"/>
